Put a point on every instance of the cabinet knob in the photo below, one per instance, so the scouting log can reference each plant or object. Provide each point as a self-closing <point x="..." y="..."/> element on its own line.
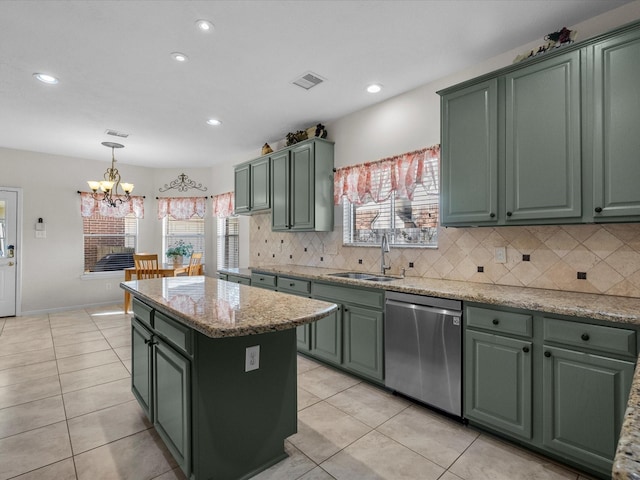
<point x="492" y="215"/>
<point x="598" y="209"/>
<point x="585" y="337"/>
<point x="292" y="284"/>
<point x="547" y="354"/>
<point x="346" y="309"/>
<point x="525" y="349"/>
<point x="495" y="321"/>
<point x="509" y="214"/>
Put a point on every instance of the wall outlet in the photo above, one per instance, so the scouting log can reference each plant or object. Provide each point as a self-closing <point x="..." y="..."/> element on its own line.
<point x="501" y="254"/>
<point x="252" y="358"/>
<point x="41" y="234"/>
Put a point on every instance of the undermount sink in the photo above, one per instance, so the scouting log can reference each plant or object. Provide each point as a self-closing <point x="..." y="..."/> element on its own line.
<point x="362" y="276"/>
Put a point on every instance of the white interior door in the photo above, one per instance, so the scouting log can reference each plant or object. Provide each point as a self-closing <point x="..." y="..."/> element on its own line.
<point x="8" y="252"/>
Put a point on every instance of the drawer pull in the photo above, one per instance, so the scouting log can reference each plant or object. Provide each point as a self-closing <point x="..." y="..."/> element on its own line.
<point x="262" y="279"/>
<point x="547" y="354"/>
<point x="598" y="209"/>
<point x="525" y="349"/>
<point x="292" y="284"/>
<point x="492" y="215"/>
<point x="495" y="321"/>
<point x="585" y="337"/>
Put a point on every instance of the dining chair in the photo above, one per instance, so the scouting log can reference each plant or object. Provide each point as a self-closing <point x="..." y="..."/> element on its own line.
<point x="146" y="265"/>
<point x="194" y="263"/>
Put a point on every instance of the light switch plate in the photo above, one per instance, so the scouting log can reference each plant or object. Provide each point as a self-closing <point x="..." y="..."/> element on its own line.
<point x="501" y="255"/>
<point x="252" y="358"/>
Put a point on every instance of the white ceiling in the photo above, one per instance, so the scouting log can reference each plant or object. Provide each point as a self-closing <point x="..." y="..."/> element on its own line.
<point x="115" y="69"/>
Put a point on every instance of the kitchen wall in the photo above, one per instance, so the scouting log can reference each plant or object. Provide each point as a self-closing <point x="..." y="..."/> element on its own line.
<point x="608" y="254"/>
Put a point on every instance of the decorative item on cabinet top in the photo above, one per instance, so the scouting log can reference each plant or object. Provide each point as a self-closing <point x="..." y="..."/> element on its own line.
<point x="292" y="138"/>
<point x="554" y="40"/>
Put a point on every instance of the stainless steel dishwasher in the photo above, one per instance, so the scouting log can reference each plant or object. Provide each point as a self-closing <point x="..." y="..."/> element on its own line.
<point x="423" y="349"/>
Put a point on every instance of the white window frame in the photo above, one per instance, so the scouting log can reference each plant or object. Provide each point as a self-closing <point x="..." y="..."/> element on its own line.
<point x="198" y="240"/>
<point x="224" y="242"/>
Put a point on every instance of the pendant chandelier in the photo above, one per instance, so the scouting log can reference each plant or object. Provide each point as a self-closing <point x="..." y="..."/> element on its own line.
<point x="109" y="186"/>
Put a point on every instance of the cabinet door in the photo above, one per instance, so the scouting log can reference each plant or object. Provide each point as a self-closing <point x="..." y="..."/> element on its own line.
<point x="616" y="137"/>
<point x="260" y="185"/>
<point x="469" y="156"/>
<point x="542" y="140"/>
<point x="280" y="191"/>
<point x="585" y="397"/>
<point x="303" y="337"/>
<point x="172" y="402"/>
<point x="141" y="372"/>
<point x="326" y="337"/>
<point x="363" y="333"/>
<point x="498" y="382"/>
<point x="242" y="189"/>
<point x="302" y="187"/>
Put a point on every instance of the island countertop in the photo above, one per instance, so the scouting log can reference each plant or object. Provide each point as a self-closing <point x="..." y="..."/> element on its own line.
<point x="218" y="309"/>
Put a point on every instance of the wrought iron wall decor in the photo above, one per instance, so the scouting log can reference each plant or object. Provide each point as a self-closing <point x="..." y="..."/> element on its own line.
<point x="182" y="184"/>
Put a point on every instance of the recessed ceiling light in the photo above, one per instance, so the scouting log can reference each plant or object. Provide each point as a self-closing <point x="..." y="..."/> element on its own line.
<point x="374" y="88"/>
<point x="44" y="78"/>
<point x="214" y="121"/>
<point x="179" y="57"/>
<point x="204" y="25"/>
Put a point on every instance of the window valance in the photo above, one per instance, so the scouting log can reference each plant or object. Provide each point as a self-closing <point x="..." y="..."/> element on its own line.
<point x="90" y="206"/>
<point x="181" y="208"/>
<point x="223" y="205"/>
<point x="376" y="181"/>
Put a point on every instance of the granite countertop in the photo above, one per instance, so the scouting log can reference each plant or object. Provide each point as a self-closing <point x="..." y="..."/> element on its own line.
<point x="220" y="309"/>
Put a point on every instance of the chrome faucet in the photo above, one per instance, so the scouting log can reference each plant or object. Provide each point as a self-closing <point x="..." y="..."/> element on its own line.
<point x="384" y="248"/>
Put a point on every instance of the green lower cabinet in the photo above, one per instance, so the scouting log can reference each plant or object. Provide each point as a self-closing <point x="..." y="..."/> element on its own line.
<point x="362" y="341"/>
<point x="585" y="397"/>
<point x="141" y="367"/>
<point x="498" y="382"/>
<point x="172" y="402"/>
<point x="303" y="337"/>
<point x="326" y="337"/>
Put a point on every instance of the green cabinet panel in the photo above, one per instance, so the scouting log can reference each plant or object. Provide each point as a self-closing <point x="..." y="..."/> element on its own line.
<point x="251" y="186"/>
<point x="585" y="398"/>
<point x="586" y="336"/>
<point x="302" y="164"/>
<point x="141" y="367"/>
<point x="326" y="337"/>
<point x="363" y="334"/>
<point x="172" y="402"/>
<point x="242" y="189"/>
<point x="280" y="202"/>
<point x="498" y="382"/>
<point x="263" y="280"/>
<point x="542" y="135"/>
<point x="616" y="137"/>
<point x="238" y="279"/>
<point x="303" y="337"/>
<point x="469" y="155"/>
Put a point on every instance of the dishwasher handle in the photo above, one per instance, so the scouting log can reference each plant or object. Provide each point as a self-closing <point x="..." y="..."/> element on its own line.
<point x="440" y="311"/>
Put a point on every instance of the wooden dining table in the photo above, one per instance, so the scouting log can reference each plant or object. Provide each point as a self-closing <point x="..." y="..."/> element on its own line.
<point x="166" y="270"/>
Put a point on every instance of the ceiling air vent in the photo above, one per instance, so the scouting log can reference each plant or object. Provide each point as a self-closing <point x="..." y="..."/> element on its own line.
<point x="115" y="133"/>
<point x="308" y="80"/>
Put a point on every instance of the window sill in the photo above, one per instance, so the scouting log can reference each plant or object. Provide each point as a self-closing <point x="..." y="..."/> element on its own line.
<point x="102" y="275"/>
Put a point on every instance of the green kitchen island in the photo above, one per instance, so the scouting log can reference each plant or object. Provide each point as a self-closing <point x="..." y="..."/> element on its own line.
<point x="214" y="368"/>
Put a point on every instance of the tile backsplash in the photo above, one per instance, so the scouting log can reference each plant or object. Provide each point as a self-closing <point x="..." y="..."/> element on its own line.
<point x="581" y="258"/>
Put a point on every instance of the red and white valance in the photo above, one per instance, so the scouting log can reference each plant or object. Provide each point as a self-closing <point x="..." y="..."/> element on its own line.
<point x="90" y="206"/>
<point x="223" y="205"/>
<point x="181" y="208"/>
<point x="376" y="181"/>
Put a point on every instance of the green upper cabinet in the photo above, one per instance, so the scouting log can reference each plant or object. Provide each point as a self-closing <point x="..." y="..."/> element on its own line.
<point x="470" y="154"/>
<point x="302" y="187"/>
<point x="251" y="186"/>
<point x="542" y="140"/>
<point x="616" y="133"/>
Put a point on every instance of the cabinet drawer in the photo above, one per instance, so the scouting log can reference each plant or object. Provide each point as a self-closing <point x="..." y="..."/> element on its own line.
<point x="176" y="333"/>
<point x="585" y="335"/>
<point x="143" y="312"/>
<point x="263" y="280"/>
<point x="499" y="321"/>
<point x="238" y="279"/>
<point x="292" y="285"/>
<point x="357" y="296"/>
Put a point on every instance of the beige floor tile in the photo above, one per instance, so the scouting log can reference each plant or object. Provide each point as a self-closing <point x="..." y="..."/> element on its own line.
<point x="72" y="338"/>
<point x="26" y="358"/>
<point x="124" y="353"/>
<point x="491" y="459"/>
<point x="79" y="362"/>
<point x="175" y="474"/>
<point x="27" y="346"/>
<point x="64" y="470"/>
<point x="34" y="449"/>
<point x="120" y="340"/>
<point x="11" y="376"/>
<point x="23" y="334"/>
<point x="31" y="415"/>
<point x="449" y="476"/>
<point x="20" y="323"/>
<point x="306" y="399"/>
<point x="99" y="428"/>
<point x="29" y="391"/>
<point x="136" y="457"/>
<point x="317" y="474"/>
<point x="108" y="324"/>
<point x="323" y="430"/>
<point x="376" y="456"/>
<point x="98" y="397"/>
<point x="294" y="466"/>
<point x="372" y="406"/>
<point x="80" y="348"/>
<point x="431" y="435"/>
<point x="305" y="364"/>
<point x="117" y="331"/>
<point x="73" y="329"/>
<point x="324" y="382"/>
<point x="89" y="377"/>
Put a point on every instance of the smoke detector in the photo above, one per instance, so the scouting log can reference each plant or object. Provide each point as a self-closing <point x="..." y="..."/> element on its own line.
<point x="308" y="80"/>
